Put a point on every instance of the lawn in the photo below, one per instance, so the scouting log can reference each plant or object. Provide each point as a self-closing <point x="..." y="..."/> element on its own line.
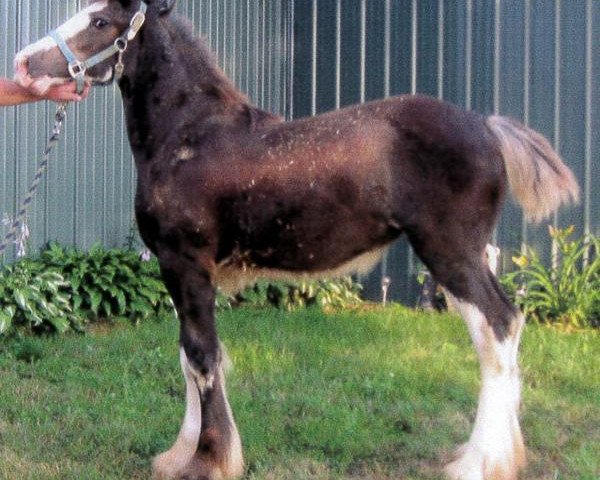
<point x="371" y="395"/>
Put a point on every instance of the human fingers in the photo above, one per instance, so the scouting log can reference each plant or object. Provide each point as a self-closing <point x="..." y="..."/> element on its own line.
<point x="67" y="92"/>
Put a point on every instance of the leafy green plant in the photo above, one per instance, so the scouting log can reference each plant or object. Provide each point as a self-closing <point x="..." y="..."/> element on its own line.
<point x="65" y="287"/>
<point x="109" y="283"/>
<point x="341" y="293"/>
<point x="34" y="299"/>
<point x="569" y="291"/>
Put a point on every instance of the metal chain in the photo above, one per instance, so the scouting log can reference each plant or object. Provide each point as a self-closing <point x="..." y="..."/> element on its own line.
<point x="59" y="118"/>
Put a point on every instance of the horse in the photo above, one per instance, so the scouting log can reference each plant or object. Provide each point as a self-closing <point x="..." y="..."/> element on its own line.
<point x="228" y="193"/>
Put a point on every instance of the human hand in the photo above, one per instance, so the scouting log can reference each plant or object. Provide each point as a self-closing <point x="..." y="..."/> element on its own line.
<point x="66" y="92"/>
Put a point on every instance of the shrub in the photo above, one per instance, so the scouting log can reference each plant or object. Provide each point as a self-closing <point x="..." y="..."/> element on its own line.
<point x="34" y="299"/>
<point x="64" y="288"/>
<point x="568" y="292"/>
<point x="109" y="283"/>
<point x="341" y="293"/>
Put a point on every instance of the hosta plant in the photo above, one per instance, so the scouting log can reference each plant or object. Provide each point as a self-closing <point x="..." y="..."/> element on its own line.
<point x="34" y="299"/>
<point x="109" y="283"/>
<point x="340" y="293"/>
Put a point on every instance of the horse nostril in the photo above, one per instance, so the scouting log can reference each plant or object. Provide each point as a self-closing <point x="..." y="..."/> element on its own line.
<point x="21" y="65"/>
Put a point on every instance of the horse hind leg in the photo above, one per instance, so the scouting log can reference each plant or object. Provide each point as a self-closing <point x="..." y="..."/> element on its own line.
<point x="495" y="449"/>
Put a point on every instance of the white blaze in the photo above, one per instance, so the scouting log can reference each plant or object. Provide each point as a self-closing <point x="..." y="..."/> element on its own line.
<point x="71" y="28"/>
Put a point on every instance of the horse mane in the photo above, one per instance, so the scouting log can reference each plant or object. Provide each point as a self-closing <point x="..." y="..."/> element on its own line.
<point x="200" y="63"/>
<point x="201" y="66"/>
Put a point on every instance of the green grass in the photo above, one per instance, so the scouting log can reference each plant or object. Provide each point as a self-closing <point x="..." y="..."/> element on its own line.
<point x="380" y="394"/>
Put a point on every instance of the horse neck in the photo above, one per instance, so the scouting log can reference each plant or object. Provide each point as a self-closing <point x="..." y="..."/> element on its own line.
<point x="174" y="81"/>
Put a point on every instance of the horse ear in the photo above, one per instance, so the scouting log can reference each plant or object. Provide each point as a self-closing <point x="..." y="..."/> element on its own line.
<point x="165" y="6"/>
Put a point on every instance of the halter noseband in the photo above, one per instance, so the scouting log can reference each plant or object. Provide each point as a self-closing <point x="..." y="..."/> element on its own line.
<point x="78" y="68"/>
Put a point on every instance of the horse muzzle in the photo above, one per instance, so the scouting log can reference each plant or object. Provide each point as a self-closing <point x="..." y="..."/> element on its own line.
<point x="38" y="68"/>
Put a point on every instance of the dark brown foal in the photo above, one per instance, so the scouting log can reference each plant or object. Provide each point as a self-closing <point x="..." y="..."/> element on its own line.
<point x="228" y="193"/>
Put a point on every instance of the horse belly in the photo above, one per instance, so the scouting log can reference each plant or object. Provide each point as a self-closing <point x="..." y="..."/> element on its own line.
<point x="234" y="277"/>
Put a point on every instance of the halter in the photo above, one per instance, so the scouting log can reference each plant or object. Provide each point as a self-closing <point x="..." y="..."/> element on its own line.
<point x="78" y="68"/>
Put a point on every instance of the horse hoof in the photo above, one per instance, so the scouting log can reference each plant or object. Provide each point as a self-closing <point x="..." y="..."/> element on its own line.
<point x="198" y="469"/>
<point x="169" y="465"/>
<point x="161" y="470"/>
<point x="474" y="464"/>
<point x="197" y="476"/>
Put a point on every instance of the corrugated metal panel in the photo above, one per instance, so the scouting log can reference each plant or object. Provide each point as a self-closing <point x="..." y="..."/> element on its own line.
<point x="87" y="195"/>
<point x="530" y="59"/>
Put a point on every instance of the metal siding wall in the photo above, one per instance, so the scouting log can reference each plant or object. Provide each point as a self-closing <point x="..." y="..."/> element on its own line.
<point x="592" y="180"/>
<point x="530" y="59"/>
<point x="7" y="183"/>
<point x="249" y="39"/>
<point x="87" y="194"/>
<point x="85" y="197"/>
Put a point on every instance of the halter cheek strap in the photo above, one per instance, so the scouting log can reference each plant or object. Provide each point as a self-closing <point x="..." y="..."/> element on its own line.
<point x="78" y="68"/>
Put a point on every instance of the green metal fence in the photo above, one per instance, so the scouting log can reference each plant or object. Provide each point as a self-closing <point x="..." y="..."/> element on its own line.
<point x="536" y="60"/>
<point x="87" y="195"/>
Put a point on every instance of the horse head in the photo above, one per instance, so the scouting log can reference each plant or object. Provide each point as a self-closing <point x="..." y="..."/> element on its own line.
<point x="88" y="47"/>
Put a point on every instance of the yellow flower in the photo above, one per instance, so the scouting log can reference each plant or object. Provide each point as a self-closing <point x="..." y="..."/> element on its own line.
<point x="521" y="261"/>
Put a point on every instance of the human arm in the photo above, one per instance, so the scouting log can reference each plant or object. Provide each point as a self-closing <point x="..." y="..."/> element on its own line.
<point x="12" y="93"/>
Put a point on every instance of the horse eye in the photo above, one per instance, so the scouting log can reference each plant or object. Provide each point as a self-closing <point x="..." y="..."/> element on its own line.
<point x="100" y="23"/>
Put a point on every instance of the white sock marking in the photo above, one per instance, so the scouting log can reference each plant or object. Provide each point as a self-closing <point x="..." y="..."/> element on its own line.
<point x="495" y="443"/>
<point x="169" y="463"/>
<point x="192" y="420"/>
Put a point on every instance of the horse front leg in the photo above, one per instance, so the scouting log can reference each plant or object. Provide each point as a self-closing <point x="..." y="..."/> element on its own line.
<point x="208" y="446"/>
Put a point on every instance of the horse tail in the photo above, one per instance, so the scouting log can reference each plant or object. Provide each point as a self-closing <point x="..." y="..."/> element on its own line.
<point x="538" y="178"/>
